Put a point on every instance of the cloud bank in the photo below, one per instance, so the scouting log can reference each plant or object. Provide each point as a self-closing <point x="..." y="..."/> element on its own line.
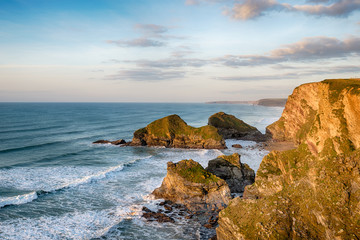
<point x="312" y="48"/>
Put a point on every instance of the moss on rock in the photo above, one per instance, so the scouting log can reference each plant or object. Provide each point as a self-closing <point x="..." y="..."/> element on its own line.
<point x="188" y="183"/>
<point x="172" y="131"/>
<point x="231" y="127"/>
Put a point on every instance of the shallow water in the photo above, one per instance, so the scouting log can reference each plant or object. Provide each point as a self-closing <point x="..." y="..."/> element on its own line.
<point x="55" y="184"/>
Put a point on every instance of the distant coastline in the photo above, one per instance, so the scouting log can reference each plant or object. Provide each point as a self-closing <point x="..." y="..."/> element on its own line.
<point x="268" y="102"/>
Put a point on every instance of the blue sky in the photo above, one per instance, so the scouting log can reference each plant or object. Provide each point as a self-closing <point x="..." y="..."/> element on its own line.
<point x="173" y="51"/>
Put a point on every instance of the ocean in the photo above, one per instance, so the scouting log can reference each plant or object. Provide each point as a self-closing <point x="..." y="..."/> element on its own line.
<point x="56" y="184"/>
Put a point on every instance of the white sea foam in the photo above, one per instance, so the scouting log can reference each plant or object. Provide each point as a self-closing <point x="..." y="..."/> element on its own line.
<point x="16" y="200"/>
<point x="50" y="180"/>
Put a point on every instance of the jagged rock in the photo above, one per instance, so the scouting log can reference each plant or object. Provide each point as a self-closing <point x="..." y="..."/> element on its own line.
<point x="101" y="142"/>
<point x="117" y="142"/>
<point x="156" y="216"/>
<point x="231" y="127"/>
<point x="237" y="146"/>
<point x="313" y="191"/>
<point x="188" y="183"/>
<point x="236" y="174"/>
<point x="173" y="132"/>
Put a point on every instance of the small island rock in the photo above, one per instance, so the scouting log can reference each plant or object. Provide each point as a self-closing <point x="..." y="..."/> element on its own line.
<point x="188" y="183"/>
<point x="173" y="132"/>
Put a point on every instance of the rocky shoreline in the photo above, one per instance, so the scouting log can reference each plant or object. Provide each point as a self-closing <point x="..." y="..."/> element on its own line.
<point x="307" y="187"/>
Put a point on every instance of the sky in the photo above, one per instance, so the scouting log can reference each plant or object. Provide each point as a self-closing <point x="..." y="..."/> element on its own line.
<point x="173" y="51"/>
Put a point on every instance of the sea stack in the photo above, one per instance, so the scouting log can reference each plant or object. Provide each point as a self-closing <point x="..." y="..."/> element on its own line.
<point x="173" y="132"/>
<point x="188" y="183"/>
<point x="231" y="127"/>
<point x="313" y="191"/>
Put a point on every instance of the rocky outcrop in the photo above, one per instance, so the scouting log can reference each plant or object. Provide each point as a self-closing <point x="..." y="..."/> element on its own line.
<point x="173" y="132"/>
<point x="236" y="174"/>
<point x="188" y="183"/>
<point x="231" y="127"/>
<point x="313" y="191"/>
<point x="321" y="114"/>
<point x="116" y="142"/>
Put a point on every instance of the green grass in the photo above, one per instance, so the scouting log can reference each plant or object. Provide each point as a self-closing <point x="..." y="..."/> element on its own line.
<point x="194" y="172"/>
<point x="172" y="126"/>
<point x="223" y="120"/>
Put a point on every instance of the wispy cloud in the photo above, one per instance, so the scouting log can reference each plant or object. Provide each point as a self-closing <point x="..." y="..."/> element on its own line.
<point x="250" y="9"/>
<point x="138" y="42"/>
<point x="146" y="75"/>
<point x="313" y="48"/>
<point x="152" y="36"/>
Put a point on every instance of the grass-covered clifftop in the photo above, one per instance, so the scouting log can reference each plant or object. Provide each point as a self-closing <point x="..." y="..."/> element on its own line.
<point x="172" y="131"/>
<point x="313" y="191"/>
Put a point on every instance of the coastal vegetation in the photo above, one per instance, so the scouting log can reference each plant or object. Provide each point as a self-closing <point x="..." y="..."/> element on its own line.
<point x="172" y="131"/>
<point x="310" y="192"/>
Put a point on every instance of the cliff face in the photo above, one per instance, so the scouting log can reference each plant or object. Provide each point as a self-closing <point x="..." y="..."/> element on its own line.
<point x="173" y="132"/>
<point x="188" y="183"/>
<point x="311" y="192"/>
<point x="322" y="114"/>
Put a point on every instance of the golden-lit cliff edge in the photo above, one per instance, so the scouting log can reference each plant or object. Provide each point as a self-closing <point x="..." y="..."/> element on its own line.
<point x="313" y="191"/>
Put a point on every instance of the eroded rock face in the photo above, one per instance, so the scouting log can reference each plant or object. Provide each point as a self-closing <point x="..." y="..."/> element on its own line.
<point x="322" y="114"/>
<point x="188" y="183"/>
<point x="231" y="127"/>
<point x="313" y="191"/>
<point x="236" y="174"/>
<point x="173" y="132"/>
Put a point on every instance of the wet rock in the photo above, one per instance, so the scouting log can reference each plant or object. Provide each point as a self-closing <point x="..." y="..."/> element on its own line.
<point x="237" y="146"/>
<point x="101" y="142"/>
<point x="156" y="216"/>
<point x="118" y="142"/>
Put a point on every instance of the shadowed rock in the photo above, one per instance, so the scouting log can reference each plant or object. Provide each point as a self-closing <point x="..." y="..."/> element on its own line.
<point x="236" y="174"/>
<point x="231" y="127"/>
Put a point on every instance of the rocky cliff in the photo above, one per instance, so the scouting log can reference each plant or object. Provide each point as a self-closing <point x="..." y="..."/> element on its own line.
<point x="321" y="115"/>
<point x="313" y="191"/>
<point x="173" y="132"/>
<point x="231" y="127"/>
<point x="188" y="183"/>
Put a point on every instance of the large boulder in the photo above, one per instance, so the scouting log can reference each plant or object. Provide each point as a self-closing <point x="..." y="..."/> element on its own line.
<point x="313" y="191"/>
<point x="188" y="183"/>
<point x="173" y="132"/>
<point x="236" y="174"/>
<point x="231" y="127"/>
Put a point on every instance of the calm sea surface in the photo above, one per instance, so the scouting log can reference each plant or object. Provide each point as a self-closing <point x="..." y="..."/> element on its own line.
<point x="55" y="184"/>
